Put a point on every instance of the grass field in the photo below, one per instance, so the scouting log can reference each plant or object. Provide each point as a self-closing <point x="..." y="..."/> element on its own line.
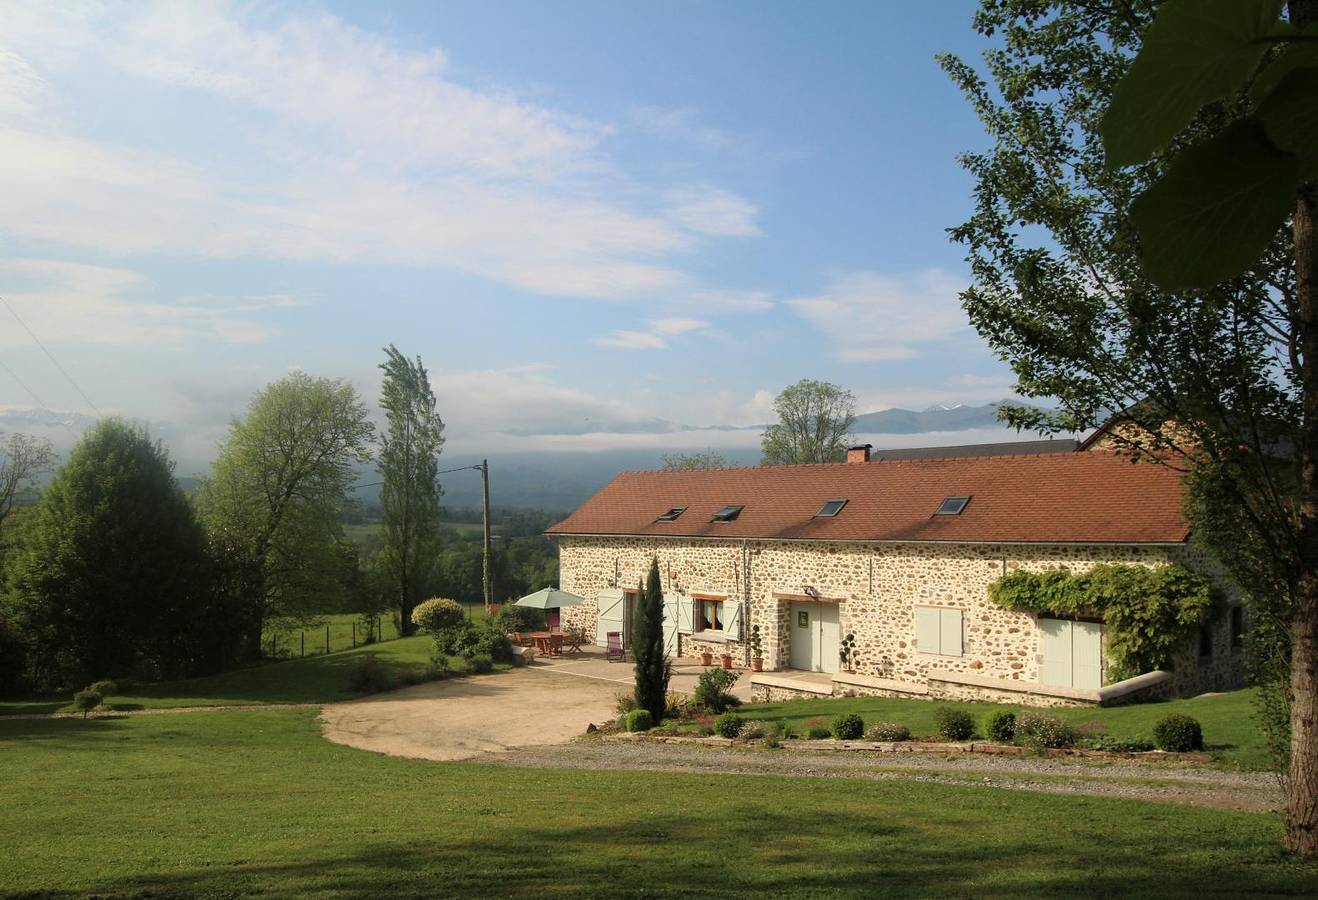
<point x="1229" y="723"/>
<point x="345" y="631"/>
<point x="227" y="803"/>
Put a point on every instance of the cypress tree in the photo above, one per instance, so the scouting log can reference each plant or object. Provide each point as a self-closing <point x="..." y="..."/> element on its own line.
<point x="653" y="669"/>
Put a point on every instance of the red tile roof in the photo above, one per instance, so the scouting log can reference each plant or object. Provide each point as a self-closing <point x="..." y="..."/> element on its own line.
<point x="1083" y="497"/>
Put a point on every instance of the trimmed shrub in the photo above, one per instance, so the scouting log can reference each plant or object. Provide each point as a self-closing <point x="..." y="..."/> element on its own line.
<point x="105" y="687"/>
<point x="1040" y="731"/>
<point x="714" y="690"/>
<point x="1001" y="727"/>
<point x="954" y="724"/>
<point x="482" y="663"/>
<point x="368" y="676"/>
<point x="438" y="614"/>
<point x="728" y="725"/>
<point x="888" y="731"/>
<point x="86" y="701"/>
<point x="848" y="727"/>
<point x="1178" y="733"/>
<point x="639" y="720"/>
<point x="470" y="638"/>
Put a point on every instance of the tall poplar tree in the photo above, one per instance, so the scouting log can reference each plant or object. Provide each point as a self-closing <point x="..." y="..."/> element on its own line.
<point x="408" y="464"/>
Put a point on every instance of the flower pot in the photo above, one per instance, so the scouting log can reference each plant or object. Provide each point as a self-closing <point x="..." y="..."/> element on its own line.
<point x="726" y="659"/>
<point x="757" y="664"/>
<point x="707" y="659"/>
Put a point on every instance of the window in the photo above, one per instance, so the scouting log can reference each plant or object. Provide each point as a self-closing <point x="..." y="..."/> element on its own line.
<point x="830" y="509"/>
<point x="1205" y="641"/>
<point x="938" y="630"/>
<point x="728" y="513"/>
<point x="672" y="514"/>
<point x="952" y="506"/>
<point x="709" y="615"/>
<point x="1237" y="627"/>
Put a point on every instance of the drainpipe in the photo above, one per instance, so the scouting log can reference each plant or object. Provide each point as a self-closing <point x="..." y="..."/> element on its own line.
<point x="746" y="602"/>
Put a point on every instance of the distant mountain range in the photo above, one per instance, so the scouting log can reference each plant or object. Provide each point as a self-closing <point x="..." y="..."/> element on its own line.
<point x="562" y="480"/>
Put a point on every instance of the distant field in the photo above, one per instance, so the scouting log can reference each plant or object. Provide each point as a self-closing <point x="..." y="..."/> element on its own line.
<point x="359" y="534"/>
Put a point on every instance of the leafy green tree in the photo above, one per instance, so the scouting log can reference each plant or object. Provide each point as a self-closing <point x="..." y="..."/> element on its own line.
<point x="112" y="575"/>
<point x="1216" y="210"/>
<point x="273" y="499"/>
<point x="814" y="424"/>
<point x="653" y="670"/>
<point x="1058" y="243"/>
<point x="699" y="459"/>
<point x="409" y="461"/>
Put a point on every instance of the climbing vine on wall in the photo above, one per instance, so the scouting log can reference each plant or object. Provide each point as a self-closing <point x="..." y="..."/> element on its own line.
<point x="1149" y="613"/>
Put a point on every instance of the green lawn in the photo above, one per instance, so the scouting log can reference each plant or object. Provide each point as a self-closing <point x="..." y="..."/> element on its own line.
<point x="1228" y="720"/>
<point x="345" y="632"/>
<point x="315" y="679"/>
<point x="219" y="804"/>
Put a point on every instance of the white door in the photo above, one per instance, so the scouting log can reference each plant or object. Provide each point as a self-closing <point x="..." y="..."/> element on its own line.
<point x="1072" y="653"/>
<point x="610" y="611"/>
<point x="830" y="637"/>
<point x="814" y="637"/>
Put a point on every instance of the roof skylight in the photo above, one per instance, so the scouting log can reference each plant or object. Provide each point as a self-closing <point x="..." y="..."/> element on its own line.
<point x="728" y="513"/>
<point x="672" y="514"/>
<point x="830" y="509"/>
<point x="952" y="506"/>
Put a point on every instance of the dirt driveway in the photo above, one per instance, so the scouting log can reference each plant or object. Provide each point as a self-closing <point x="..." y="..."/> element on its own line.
<point x="548" y="702"/>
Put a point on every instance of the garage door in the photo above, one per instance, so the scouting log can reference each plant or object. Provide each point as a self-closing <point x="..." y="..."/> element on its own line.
<point x="1072" y="653"/>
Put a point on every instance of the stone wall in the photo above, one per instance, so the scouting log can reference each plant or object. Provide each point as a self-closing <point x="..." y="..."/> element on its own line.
<point x="878" y="587"/>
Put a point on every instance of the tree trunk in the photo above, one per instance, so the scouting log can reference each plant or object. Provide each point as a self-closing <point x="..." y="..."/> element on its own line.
<point x="1302" y="777"/>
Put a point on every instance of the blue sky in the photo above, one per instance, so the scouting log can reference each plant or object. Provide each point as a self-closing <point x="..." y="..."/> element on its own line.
<point x="581" y="215"/>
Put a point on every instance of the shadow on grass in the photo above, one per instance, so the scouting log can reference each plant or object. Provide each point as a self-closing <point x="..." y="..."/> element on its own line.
<point x="782" y="855"/>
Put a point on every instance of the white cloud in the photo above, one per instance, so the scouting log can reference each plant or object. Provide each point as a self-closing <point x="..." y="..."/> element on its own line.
<point x="677" y="325"/>
<point x="72" y="302"/>
<point x="713" y="211"/>
<point x="347" y="147"/>
<point x="632" y="340"/>
<point x="873" y="316"/>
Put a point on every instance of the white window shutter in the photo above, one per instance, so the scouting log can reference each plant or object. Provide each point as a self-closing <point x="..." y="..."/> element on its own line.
<point x="732" y="619"/>
<point x="927" y="629"/>
<point x="686" y="615"/>
<point x="949" y="638"/>
<point x="609" y="614"/>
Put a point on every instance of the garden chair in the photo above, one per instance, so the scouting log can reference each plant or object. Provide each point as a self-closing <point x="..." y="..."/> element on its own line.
<point x="542" y="646"/>
<point x="556" y="644"/>
<point x="573" y="640"/>
<point x="615" y="649"/>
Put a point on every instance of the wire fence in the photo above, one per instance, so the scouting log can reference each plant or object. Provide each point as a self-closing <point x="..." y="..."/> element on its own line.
<point x="335" y="633"/>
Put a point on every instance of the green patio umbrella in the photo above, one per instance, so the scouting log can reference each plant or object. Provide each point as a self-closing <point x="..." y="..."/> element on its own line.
<point x="550" y="598"/>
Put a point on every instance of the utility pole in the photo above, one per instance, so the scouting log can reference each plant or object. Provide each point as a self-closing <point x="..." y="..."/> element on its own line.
<point x="485" y="504"/>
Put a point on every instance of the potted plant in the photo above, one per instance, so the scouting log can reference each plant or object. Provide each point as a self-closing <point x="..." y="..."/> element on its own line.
<point x="726" y="660"/>
<point x="706" y="658"/>
<point x="757" y="650"/>
<point x="847" y="652"/>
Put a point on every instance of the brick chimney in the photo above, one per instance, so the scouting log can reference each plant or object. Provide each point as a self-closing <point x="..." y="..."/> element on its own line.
<point x="859" y="454"/>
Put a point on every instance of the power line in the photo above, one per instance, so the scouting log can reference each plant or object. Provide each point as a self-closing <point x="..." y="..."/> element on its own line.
<point x="50" y="356"/>
<point x="440" y="472"/>
<point x="31" y="393"/>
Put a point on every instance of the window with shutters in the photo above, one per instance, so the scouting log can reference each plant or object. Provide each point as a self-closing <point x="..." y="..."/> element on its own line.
<point x="938" y="630"/>
<point x="709" y="615"/>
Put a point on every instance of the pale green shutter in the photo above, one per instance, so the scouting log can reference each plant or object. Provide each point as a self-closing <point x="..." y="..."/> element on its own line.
<point x="732" y="619"/>
<point x="949" y="632"/>
<point x="686" y="615"/>
<point x="927" y="629"/>
<point x="609" y="613"/>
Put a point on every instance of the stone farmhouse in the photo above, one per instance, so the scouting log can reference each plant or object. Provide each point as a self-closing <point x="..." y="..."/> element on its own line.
<point x="896" y="551"/>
